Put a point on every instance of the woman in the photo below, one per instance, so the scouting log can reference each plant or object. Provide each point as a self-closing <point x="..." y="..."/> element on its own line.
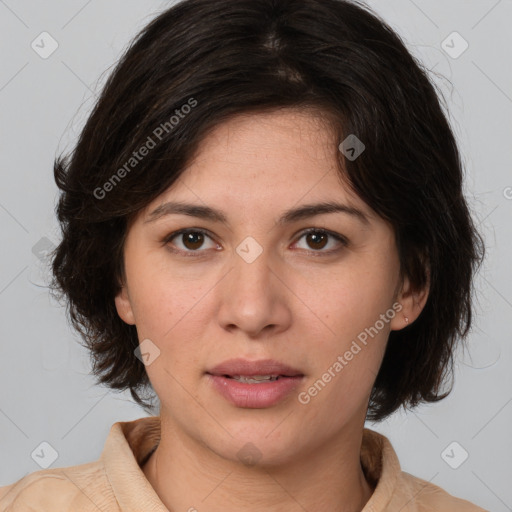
<point x="263" y="223"/>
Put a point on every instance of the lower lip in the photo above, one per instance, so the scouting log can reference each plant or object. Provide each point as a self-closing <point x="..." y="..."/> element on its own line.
<point x="254" y="396"/>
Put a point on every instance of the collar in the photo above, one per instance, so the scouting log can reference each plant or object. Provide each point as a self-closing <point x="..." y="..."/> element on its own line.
<point x="130" y="444"/>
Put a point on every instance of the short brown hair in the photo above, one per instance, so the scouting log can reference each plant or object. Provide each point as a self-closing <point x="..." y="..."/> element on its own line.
<point x="249" y="56"/>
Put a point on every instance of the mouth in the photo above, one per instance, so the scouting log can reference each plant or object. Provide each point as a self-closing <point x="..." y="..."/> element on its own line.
<point x="254" y="384"/>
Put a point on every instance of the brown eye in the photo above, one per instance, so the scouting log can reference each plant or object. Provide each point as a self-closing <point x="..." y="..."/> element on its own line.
<point x="317" y="240"/>
<point x="189" y="241"/>
<point x="193" y="240"/>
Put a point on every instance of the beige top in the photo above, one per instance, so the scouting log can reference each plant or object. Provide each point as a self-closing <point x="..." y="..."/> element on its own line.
<point x="116" y="483"/>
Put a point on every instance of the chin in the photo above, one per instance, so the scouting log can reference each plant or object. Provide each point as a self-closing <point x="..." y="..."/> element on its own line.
<point x="257" y="441"/>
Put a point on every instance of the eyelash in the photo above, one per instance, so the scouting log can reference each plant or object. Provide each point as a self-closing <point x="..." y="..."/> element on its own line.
<point x="197" y="253"/>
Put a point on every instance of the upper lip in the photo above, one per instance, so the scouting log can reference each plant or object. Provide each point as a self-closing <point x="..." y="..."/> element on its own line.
<point x="248" y="368"/>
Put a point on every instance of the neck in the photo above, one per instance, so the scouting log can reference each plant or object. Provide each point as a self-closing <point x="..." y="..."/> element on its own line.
<point x="188" y="476"/>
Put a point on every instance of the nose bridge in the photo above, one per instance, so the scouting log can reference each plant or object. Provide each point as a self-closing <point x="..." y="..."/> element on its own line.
<point x="251" y="262"/>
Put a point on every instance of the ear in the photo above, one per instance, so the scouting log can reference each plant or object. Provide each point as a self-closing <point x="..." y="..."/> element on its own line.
<point x="412" y="301"/>
<point x="124" y="306"/>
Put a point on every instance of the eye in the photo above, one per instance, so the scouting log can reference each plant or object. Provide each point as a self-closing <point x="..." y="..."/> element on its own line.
<point x="318" y="239"/>
<point x="191" y="240"/>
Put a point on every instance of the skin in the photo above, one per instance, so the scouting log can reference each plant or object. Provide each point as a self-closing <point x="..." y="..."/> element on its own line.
<point x="295" y="303"/>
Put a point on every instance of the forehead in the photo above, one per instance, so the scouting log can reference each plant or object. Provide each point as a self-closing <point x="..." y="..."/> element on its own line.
<point x="265" y="163"/>
<point x="275" y="134"/>
<point x="249" y="154"/>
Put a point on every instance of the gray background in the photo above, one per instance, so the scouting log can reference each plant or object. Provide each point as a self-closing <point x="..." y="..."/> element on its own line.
<point x="47" y="394"/>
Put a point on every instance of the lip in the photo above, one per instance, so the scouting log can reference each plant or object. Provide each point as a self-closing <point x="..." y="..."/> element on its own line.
<point x="254" y="396"/>
<point x="259" y="395"/>
<point x="249" y="368"/>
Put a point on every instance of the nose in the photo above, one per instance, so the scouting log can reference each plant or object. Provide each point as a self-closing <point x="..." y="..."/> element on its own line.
<point x="254" y="297"/>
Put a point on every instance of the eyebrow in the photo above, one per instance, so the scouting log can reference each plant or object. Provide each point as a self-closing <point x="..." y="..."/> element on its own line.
<point x="289" y="216"/>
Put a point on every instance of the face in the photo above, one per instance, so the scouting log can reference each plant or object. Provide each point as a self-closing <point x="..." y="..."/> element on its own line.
<point x="302" y="290"/>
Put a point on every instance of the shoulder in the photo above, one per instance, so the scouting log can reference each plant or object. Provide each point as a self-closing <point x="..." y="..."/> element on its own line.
<point x="429" y="497"/>
<point x="84" y="487"/>
<point x="398" y="490"/>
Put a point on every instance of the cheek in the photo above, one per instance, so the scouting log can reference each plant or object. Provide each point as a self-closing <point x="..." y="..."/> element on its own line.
<point x="351" y="337"/>
<point x="161" y="294"/>
<point x="350" y="300"/>
<point x="165" y="307"/>
<point x="170" y="313"/>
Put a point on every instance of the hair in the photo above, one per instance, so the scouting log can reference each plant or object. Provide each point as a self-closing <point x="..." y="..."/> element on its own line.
<point x="201" y="62"/>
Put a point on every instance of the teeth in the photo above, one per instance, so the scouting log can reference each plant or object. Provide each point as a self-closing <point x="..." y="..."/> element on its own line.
<point x="255" y="379"/>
